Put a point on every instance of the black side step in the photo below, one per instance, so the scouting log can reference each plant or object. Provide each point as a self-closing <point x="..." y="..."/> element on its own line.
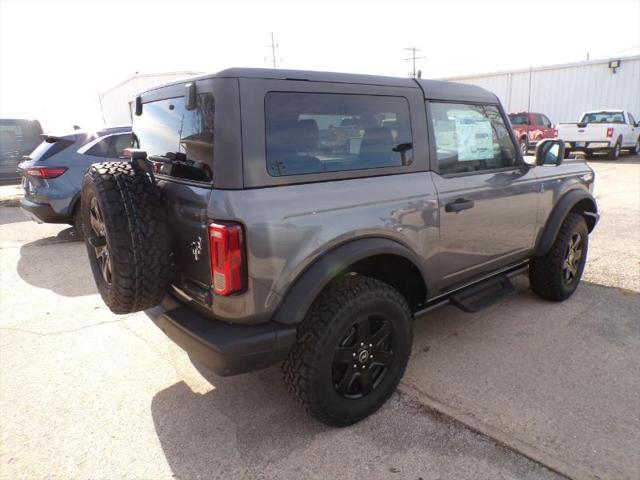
<point x="484" y="294"/>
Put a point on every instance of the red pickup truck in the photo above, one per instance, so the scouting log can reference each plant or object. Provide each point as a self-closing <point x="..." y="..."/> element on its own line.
<point x="530" y="128"/>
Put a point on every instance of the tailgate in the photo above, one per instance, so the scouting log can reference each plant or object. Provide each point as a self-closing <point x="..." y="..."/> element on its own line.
<point x="587" y="133"/>
<point x="186" y="208"/>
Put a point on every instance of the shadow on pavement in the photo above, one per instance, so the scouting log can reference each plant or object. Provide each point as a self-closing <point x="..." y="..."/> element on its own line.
<point x="57" y="263"/>
<point x="249" y="427"/>
<point x="623" y="159"/>
<point x="561" y="377"/>
<point x="250" y="416"/>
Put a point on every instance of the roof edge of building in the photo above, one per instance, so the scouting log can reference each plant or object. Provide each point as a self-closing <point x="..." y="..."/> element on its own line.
<point x="540" y="68"/>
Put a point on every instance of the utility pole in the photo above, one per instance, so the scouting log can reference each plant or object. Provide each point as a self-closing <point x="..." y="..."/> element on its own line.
<point x="529" y="95"/>
<point x="413" y="59"/>
<point x="273" y="47"/>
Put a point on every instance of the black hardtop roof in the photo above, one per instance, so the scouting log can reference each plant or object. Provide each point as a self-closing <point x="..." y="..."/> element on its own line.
<point x="433" y="89"/>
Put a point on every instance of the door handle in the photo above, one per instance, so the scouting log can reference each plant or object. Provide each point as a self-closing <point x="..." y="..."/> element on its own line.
<point x="458" y="205"/>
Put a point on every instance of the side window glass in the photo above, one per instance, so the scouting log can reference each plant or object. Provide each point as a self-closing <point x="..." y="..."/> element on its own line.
<point x="471" y="138"/>
<point x="632" y="120"/>
<point x="100" y="149"/>
<point x="118" y="144"/>
<point x="545" y="121"/>
<point x="315" y="132"/>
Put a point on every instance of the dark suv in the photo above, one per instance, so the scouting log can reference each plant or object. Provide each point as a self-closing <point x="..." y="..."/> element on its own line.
<point x="304" y="217"/>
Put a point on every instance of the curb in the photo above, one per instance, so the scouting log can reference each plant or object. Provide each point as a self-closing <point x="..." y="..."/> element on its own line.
<point x="520" y="447"/>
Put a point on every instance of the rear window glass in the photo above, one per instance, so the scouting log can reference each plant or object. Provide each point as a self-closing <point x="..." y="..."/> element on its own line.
<point x="519" y="119"/>
<point x="180" y="141"/>
<point x="603" y="117"/>
<point x="315" y="133"/>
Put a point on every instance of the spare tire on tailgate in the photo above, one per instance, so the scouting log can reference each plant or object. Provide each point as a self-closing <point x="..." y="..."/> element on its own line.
<point x="127" y="238"/>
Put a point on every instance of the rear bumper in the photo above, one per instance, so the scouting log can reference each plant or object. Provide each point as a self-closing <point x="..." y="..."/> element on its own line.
<point x="225" y="348"/>
<point x="42" y="212"/>
<point x="583" y="146"/>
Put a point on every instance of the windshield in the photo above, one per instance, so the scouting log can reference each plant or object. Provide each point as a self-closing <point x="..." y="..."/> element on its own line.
<point x="179" y="140"/>
<point x="603" y="117"/>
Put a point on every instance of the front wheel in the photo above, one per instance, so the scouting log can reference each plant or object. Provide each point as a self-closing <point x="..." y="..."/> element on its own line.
<point x="556" y="275"/>
<point x="351" y="350"/>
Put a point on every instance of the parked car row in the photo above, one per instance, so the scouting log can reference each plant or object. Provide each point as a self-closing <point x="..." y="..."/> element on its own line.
<point x="18" y="137"/>
<point x="598" y="131"/>
<point x="52" y="173"/>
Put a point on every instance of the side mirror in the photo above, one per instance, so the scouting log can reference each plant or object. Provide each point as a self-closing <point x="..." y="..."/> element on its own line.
<point x="549" y="152"/>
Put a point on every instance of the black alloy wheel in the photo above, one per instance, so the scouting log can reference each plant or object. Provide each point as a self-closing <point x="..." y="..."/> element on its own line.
<point x="572" y="258"/>
<point x="99" y="240"/>
<point x="363" y="357"/>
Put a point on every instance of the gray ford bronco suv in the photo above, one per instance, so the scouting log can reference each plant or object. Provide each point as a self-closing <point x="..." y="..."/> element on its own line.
<point x="306" y="218"/>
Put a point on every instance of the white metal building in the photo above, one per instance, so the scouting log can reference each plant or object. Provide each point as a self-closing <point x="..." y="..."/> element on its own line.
<point x="563" y="92"/>
<point x="117" y="101"/>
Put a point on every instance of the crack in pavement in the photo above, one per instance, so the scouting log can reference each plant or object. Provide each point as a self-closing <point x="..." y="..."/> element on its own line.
<point x="62" y="332"/>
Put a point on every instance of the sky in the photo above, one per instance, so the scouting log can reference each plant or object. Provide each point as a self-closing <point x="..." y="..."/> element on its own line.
<point x="56" y="56"/>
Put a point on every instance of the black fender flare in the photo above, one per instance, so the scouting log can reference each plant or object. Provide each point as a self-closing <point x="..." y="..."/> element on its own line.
<point x="565" y="205"/>
<point x="308" y="285"/>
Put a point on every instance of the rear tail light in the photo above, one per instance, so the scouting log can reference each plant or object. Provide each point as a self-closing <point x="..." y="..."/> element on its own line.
<point x="226" y="247"/>
<point x="609" y="132"/>
<point x="45" y="172"/>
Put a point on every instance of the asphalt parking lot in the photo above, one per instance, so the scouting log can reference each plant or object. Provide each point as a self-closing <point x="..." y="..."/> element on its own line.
<point x="524" y="390"/>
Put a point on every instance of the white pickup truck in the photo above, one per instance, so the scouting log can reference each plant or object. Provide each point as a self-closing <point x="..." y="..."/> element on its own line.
<point x="602" y="131"/>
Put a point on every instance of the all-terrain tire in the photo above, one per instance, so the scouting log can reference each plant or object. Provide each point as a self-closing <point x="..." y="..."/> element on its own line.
<point x="309" y="369"/>
<point x="128" y="242"/>
<point x="547" y="273"/>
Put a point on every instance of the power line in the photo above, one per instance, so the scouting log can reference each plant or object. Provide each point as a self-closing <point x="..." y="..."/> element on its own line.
<point x="413" y="58"/>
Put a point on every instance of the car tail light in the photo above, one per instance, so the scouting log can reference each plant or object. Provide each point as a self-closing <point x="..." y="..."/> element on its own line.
<point x="609" y="132"/>
<point x="46" y="172"/>
<point x="226" y="247"/>
<point x="555" y="133"/>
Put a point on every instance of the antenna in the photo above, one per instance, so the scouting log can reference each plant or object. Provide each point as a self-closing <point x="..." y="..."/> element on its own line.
<point x="413" y="58"/>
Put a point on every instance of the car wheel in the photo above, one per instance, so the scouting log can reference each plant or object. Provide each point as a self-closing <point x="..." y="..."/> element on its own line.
<point x="556" y="275"/>
<point x="636" y="148"/>
<point x="78" y="233"/>
<point x="126" y="236"/>
<point x="524" y="148"/>
<point x="614" y="153"/>
<point x="351" y="350"/>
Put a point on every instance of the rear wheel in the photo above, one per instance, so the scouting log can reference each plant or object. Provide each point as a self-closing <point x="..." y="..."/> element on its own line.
<point x="614" y="153"/>
<point x="636" y="148"/>
<point x="78" y="233"/>
<point x="556" y="275"/>
<point x="351" y="350"/>
<point x="126" y="237"/>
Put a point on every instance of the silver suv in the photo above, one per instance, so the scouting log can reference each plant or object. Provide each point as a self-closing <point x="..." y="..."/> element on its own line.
<point x="306" y="218"/>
